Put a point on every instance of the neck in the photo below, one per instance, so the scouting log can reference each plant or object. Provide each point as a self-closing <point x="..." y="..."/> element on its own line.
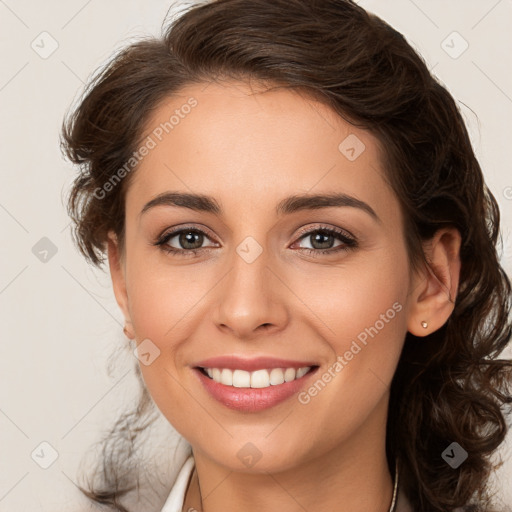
<point x="352" y="477"/>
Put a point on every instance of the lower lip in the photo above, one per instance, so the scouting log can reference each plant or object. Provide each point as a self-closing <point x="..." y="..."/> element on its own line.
<point x="252" y="399"/>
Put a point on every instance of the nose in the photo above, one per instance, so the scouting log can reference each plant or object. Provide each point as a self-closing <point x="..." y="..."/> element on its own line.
<point x="252" y="299"/>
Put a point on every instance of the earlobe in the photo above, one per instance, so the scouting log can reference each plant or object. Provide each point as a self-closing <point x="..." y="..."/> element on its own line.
<point x="118" y="281"/>
<point x="435" y="288"/>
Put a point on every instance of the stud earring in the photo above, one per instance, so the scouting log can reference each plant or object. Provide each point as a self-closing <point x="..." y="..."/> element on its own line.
<point x="424" y="324"/>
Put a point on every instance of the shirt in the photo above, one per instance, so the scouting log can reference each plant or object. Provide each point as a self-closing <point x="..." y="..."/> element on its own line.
<point x="174" y="502"/>
<point x="176" y="498"/>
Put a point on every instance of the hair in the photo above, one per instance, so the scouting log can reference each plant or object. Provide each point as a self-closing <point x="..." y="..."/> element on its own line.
<point x="450" y="386"/>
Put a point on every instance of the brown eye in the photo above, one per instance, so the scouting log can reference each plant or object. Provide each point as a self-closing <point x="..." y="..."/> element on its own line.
<point x="322" y="241"/>
<point x="189" y="239"/>
<point x="184" y="241"/>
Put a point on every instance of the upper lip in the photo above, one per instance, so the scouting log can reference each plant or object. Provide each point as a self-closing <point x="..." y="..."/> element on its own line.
<point x="233" y="362"/>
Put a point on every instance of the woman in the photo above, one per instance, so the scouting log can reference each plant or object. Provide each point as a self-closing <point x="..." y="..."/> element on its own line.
<point x="304" y="250"/>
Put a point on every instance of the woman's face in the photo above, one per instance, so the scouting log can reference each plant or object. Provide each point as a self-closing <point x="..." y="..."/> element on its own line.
<point x="266" y="287"/>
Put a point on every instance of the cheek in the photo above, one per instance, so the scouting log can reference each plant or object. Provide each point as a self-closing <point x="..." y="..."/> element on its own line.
<point x="162" y="297"/>
<point x="367" y="294"/>
<point x="162" y="311"/>
<point x="362" y="312"/>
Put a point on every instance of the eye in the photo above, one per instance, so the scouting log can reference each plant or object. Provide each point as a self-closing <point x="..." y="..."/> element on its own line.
<point x="189" y="241"/>
<point x="183" y="241"/>
<point x="322" y="239"/>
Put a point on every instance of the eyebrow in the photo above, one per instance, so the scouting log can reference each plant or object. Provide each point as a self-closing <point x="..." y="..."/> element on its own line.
<point x="292" y="204"/>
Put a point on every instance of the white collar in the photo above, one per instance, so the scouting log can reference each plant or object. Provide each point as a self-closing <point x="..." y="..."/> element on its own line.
<point x="176" y="498"/>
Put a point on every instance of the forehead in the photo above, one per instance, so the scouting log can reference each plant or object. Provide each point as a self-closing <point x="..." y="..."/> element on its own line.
<point x="234" y="141"/>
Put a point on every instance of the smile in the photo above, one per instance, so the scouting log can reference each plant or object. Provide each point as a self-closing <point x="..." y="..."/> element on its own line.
<point x="255" y="384"/>
<point x="256" y="379"/>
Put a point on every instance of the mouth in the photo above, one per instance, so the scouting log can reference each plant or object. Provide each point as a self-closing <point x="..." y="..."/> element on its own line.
<point x="251" y="386"/>
<point x="258" y="379"/>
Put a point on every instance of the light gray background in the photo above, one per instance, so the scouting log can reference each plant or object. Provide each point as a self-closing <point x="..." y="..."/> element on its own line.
<point x="59" y="319"/>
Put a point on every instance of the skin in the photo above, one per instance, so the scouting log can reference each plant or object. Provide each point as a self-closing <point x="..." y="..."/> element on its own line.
<point x="249" y="149"/>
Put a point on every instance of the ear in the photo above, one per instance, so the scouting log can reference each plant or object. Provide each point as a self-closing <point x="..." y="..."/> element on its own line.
<point x="435" y="286"/>
<point x="118" y="281"/>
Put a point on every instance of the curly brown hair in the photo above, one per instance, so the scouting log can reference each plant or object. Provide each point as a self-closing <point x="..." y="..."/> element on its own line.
<point x="451" y="387"/>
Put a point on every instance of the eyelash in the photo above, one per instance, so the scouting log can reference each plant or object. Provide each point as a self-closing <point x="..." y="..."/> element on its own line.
<point x="349" y="242"/>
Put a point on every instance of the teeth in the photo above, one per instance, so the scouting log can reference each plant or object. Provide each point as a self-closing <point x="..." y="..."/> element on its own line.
<point x="256" y="379"/>
<point x="276" y="376"/>
<point x="241" y="379"/>
<point x="226" y="377"/>
<point x="289" y="374"/>
<point x="260" y="379"/>
<point x="301" y="372"/>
